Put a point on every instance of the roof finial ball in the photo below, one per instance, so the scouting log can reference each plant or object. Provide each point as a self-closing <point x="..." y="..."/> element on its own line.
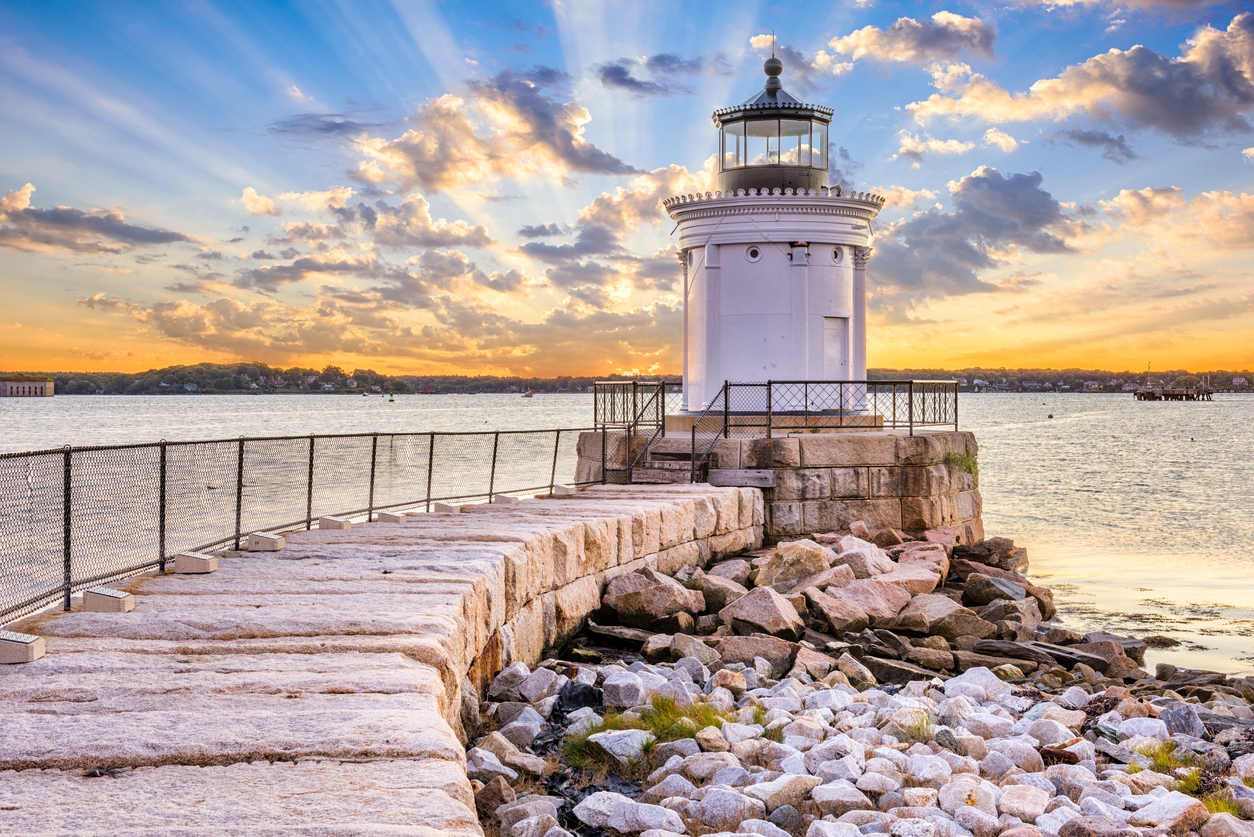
<point x="773" y="67"/>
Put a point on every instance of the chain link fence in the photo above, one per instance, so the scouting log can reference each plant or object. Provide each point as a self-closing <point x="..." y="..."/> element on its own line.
<point x="75" y="517"/>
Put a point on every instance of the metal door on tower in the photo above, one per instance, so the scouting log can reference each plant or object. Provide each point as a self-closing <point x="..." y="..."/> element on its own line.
<point x="836" y="348"/>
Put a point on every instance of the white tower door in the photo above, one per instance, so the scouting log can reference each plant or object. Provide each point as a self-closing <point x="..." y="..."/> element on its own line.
<point x="835" y="348"/>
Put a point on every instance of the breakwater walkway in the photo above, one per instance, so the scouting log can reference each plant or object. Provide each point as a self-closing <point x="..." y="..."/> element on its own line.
<point x="328" y="688"/>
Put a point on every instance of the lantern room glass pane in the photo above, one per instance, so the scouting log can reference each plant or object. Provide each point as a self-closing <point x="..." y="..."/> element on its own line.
<point x="762" y="142"/>
<point x="794" y="142"/>
<point x="734" y="145"/>
<point x="820" y="145"/>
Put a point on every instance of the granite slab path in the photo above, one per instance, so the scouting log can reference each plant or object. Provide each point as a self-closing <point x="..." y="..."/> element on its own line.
<point x="326" y="689"/>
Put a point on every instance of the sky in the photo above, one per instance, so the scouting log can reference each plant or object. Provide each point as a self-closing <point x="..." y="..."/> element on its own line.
<point x="430" y="187"/>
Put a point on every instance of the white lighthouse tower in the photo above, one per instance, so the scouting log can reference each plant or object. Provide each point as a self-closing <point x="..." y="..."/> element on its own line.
<point x="774" y="262"/>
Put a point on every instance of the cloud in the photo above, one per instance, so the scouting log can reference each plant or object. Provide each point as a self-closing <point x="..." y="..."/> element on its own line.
<point x="1249" y="152"/>
<point x="1216" y="220"/>
<point x="1000" y="139"/>
<point x="1142" y="4"/>
<point x="332" y="199"/>
<point x="270" y="278"/>
<point x="259" y="204"/>
<point x="23" y="227"/>
<point x="315" y="126"/>
<point x="507" y="127"/>
<point x="1115" y="148"/>
<point x="942" y="38"/>
<point x="295" y="92"/>
<point x="661" y="69"/>
<point x="409" y="224"/>
<point x="900" y="197"/>
<point x="916" y="147"/>
<point x="843" y="167"/>
<point x="540" y="230"/>
<point x="101" y="302"/>
<point x="936" y="253"/>
<point x="1210" y="87"/>
<point x="800" y="73"/>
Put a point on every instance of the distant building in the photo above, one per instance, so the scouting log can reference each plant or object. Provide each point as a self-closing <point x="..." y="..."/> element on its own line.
<point x="376" y="388"/>
<point x="20" y="386"/>
<point x="253" y="386"/>
<point x="276" y="381"/>
<point x="190" y="387"/>
<point x="1092" y="386"/>
<point x="1239" y="381"/>
<point x="1031" y="384"/>
<point x="309" y="379"/>
<point x="351" y="383"/>
<point x="328" y="387"/>
<point x="1129" y="387"/>
<point x="962" y="382"/>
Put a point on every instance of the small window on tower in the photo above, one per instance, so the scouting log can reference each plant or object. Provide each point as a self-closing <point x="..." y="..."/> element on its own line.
<point x="753" y="253"/>
<point x="836" y="255"/>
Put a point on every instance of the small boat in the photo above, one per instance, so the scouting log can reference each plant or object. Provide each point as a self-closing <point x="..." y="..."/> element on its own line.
<point x="528" y="394"/>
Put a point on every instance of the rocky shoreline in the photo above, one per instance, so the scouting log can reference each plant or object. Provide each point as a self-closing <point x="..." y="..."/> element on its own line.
<point x="860" y="682"/>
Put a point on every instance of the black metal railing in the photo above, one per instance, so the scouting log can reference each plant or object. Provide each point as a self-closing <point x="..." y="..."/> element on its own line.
<point x="636" y="411"/>
<point x="75" y="517"/>
<point x="766" y="409"/>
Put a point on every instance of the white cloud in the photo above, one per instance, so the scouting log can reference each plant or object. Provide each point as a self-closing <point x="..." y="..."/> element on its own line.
<point x="916" y="147"/>
<point x="259" y="204"/>
<point x="1249" y="152"/>
<point x="297" y="94"/>
<point x="918" y="42"/>
<point x="901" y="197"/>
<point x="1000" y="139"/>
<point x="334" y="198"/>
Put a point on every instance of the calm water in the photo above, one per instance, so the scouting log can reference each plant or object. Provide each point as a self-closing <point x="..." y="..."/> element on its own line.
<point x="1139" y="515"/>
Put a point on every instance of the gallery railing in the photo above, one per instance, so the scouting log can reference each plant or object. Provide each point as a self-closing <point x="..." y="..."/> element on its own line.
<point x="635" y="411"/>
<point x="75" y="517"/>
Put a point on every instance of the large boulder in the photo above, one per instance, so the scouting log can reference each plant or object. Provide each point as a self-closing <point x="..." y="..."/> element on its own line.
<point x="719" y="592"/>
<point x="996" y="552"/>
<point x="877" y="598"/>
<point x="661" y="597"/>
<point x="737" y="570"/>
<point x="764" y="611"/>
<point x="615" y="812"/>
<point x="932" y="613"/>
<point x="743" y="649"/>
<point x="839" y="576"/>
<point x="915" y="580"/>
<point x="793" y="561"/>
<point x="983" y="589"/>
<point x="866" y="561"/>
<point x="839" y="616"/>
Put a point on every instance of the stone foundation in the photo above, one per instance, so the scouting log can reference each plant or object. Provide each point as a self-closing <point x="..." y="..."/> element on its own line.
<point x="825" y="481"/>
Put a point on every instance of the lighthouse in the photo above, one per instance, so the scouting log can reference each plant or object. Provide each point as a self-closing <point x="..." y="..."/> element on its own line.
<point x="774" y="261"/>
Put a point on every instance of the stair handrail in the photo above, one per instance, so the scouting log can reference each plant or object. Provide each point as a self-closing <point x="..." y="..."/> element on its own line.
<point x="659" y="427"/>
<point x="699" y="463"/>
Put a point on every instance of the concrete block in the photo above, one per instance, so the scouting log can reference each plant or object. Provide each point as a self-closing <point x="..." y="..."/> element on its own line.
<point x="911" y="481"/>
<point x="769" y="453"/>
<point x="850" y="483"/>
<point x="261" y="542"/>
<point x="195" y="562"/>
<point x="564" y="491"/>
<point x="924" y="448"/>
<point x="843" y="450"/>
<point x="833" y="515"/>
<point x="20" y="648"/>
<point x="803" y="484"/>
<point x="445" y="508"/>
<point x="921" y="513"/>
<point x="506" y="500"/>
<point x="334" y="523"/>
<point x="390" y="517"/>
<point x="105" y="600"/>
<point x="783" y="519"/>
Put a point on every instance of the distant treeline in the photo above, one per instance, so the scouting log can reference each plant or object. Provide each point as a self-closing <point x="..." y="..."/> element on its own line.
<point x="224" y="378"/>
<point x="258" y="377"/>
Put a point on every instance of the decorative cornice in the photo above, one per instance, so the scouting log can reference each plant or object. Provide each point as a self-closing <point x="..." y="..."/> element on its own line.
<point x="861" y="255"/>
<point x="877" y="201"/>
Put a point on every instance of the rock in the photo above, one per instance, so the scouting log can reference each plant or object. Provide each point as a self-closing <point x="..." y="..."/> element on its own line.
<point x="786" y="790"/>
<point x="814" y="663"/>
<point x="702" y="766"/>
<point x="995" y="552"/>
<point x="1068" y="657"/>
<point x="723" y="809"/>
<point x="732" y="681"/>
<point x="911" y="827"/>
<point x="1008" y="671"/>
<point x="1022" y="801"/>
<point x="712" y="741"/>
<point x="1175" y="810"/>
<point x="931" y="658"/>
<point x="625" y="745"/>
<point x="619" y="636"/>
<point x="791" y="562"/>
<point x="538" y="685"/>
<point x="745" y="649"/>
<point x="493" y="795"/>
<point x="764" y="611"/>
<point x="928" y="771"/>
<point x="662" y="598"/>
<point x="1095" y="827"/>
<point x="1182" y="719"/>
<point x="1022" y="831"/>
<point x="482" y="765"/>
<point x="672" y="785"/>
<point x="1134" y="648"/>
<point x="860" y="530"/>
<point x="513" y="813"/>
<point x="839" y="797"/>
<point x="1147" y="727"/>
<point x="1016" y="650"/>
<point x="623" y="688"/>
<point x="839" y="576"/>
<point x="1226" y="825"/>
<point x="878" y="599"/>
<point x="616" y="812"/>
<point x="684" y="645"/>
<point x="536" y="826"/>
<point x="505" y="685"/>
<point x="786" y="818"/>
<point x="956" y="795"/>
<point x="840" y="616"/>
<point x="736" y="570"/>
<point x="718" y="592"/>
<point x="859" y="675"/>
<point x="915" y="580"/>
<point x="982" y="589"/>
<point x="865" y="561"/>
<point x="822" y="828"/>
<point x="895" y="671"/>
<point x="932" y="613"/>
<point x="620" y="585"/>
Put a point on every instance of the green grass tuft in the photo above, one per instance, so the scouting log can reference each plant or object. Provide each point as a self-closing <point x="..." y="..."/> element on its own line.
<point x="919" y="731"/>
<point x="1217" y="804"/>
<point x="966" y="462"/>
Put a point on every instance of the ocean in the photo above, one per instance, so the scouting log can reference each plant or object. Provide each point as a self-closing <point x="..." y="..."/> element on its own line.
<point x="1138" y="515"/>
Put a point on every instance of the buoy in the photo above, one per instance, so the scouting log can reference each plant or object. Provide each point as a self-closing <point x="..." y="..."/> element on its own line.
<point x="1051" y="415"/>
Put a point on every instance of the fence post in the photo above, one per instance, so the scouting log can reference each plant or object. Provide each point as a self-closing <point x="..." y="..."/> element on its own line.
<point x="374" y="455"/>
<point x="840" y="413"/>
<point x="67" y="490"/>
<point x="603" y="432"/>
<point x="430" y="468"/>
<point x="309" y="487"/>
<point x="726" y="409"/>
<point x="910" y="406"/>
<point x="557" y="446"/>
<point x="161" y="513"/>
<point x="496" y="441"/>
<point x="693" y="472"/>
<point x="239" y="491"/>
<point x="770" y="412"/>
<point x="955" y="406"/>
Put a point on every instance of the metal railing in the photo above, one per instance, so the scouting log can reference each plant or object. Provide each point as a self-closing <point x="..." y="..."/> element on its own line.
<point x="765" y="409"/>
<point x="636" y="410"/>
<point x="74" y="517"/>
